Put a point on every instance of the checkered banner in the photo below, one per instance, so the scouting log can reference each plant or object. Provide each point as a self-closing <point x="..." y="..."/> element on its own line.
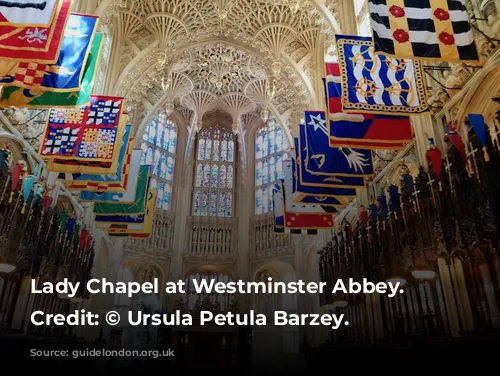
<point x="426" y="29"/>
<point x="91" y="133"/>
<point x="105" y="183"/>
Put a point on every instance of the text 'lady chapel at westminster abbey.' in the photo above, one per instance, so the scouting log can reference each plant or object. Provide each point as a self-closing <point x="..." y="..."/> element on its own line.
<point x="158" y="141"/>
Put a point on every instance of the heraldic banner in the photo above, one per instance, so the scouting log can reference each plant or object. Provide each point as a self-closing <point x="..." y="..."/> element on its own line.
<point x="377" y="84"/>
<point x="363" y="130"/>
<point x="32" y="30"/>
<point x="425" y="29"/>
<point x="90" y="133"/>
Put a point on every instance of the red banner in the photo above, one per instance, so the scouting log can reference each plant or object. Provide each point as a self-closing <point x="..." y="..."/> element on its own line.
<point x="33" y="43"/>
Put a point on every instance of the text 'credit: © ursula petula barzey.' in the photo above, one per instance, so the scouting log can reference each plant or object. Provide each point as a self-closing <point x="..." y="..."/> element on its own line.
<point x="130" y="289"/>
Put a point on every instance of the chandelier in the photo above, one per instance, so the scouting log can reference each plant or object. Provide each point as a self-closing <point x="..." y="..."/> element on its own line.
<point x="220" y="70"/>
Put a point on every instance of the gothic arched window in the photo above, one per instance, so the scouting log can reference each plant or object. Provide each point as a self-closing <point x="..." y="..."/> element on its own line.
<point x="159" y="144"/>
<point x="270" y="147"/>
<point x="214" y="174"/>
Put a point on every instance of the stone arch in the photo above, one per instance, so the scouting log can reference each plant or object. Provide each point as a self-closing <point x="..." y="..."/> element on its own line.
<point x="279" y="268"/>
<point x="17" y="148"/>
<point x="141" y="269"/>
<point x="392" y="177"/>
<point x="139" y="264"/>
<point x="349" y="214"/>
<point x="478" y="100"/>
<point x="67" y="202"/>
<point x="218" y="302"/>
<point x="182" y="131"/>
<point x="278" y="271"/>
<point x="147" y="66"/>
<point x="203" y="268"/>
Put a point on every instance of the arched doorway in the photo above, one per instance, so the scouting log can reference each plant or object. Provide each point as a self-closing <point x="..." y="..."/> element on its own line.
<point x="193" y="302"/>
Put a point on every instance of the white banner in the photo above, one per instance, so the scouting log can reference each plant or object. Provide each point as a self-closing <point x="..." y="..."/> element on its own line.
<point x="28" y="12"/>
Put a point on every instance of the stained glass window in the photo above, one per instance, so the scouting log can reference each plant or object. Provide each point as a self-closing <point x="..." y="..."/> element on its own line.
<point x="270" y="149"/>
<point x="214" y="179"/>
<point x="159" y="144"/>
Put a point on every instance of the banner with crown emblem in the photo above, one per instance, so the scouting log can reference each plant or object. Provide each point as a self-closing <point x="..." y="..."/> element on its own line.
<point x="378" y="84"/>
<point x="32" y="30"/>
<point x="307" y="181"/>
<point x="312" y="208"/>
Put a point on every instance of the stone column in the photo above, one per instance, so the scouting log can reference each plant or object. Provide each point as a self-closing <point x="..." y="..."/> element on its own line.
<point x="181" y="205"/>
<point x="347" y="18"/>
<point x="424" y="129"/>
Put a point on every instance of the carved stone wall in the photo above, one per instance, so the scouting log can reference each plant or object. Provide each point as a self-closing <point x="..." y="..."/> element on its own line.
<point x="30" y="123"/>
<point x="211" y="239"/>
<point x="160" y="244"/>
<point x="265" y="243"/>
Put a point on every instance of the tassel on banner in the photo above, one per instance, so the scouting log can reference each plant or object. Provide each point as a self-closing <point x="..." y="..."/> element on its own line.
<point x="481" y="129"/>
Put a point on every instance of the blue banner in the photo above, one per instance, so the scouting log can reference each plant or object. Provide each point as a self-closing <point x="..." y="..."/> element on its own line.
<point x="307" y="180"/>
<point x="325" y="162"/>
<point x="315" y="195"/>
<point x="377" y="83"/>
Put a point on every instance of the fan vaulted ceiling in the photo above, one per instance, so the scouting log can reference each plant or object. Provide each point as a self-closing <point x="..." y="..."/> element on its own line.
<point x="237" y="56"/>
